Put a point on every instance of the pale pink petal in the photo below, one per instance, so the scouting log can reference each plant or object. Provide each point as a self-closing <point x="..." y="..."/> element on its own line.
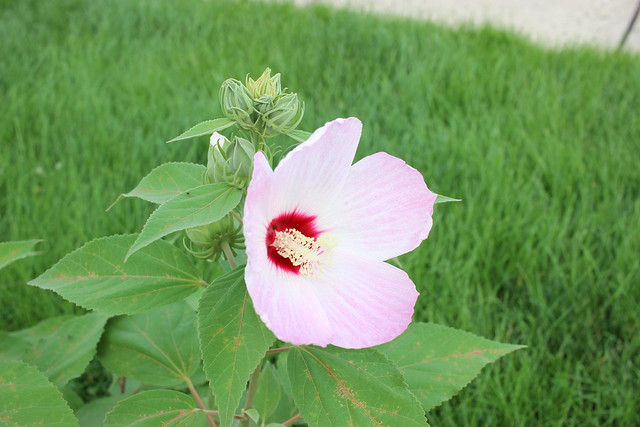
<point x="371" y="211"/>
<point x="385" y="211"/>
<point x="283" y="300"/>
<point x="311" y="176"/>
<point x="367" y="302"/>
<point x="255" y="219"/>
<point x="287" y="304"/>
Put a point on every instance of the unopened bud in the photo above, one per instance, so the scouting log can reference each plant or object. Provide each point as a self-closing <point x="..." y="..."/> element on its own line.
<point x="216" y="159"/>
<point x="265" y="85"/>
<point x="285" y="115"/>
<point x="240" y="158"/>
<point x="230" y="162"/>
<point x="236" y="102"/>
<point x="211" y="238"/>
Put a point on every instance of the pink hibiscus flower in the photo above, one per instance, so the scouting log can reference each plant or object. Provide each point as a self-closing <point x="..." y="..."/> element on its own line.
<point x="318" y="230"/>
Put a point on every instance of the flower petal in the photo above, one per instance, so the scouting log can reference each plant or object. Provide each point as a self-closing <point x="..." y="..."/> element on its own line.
<point x="217" y="140"/>
<point x="284" y="302"/>
<point x="311" y="176"/>
<point x="287" y="304"/>
<point x="385" y="211"/>
<point x="255" y="219"/>
<point x="367" y="302"/>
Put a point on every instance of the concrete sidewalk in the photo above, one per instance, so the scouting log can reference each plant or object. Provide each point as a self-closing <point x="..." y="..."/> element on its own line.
<point x="552" y="23"/>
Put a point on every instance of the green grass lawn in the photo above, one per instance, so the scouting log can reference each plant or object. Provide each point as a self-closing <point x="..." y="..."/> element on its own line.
<point x="543" y="146"/>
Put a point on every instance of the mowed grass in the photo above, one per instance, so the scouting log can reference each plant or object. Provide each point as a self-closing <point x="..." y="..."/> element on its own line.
<point x="543" y="146"/>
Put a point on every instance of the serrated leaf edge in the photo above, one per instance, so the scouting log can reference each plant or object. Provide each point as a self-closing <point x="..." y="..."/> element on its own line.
<point x="56" y="389"/>
<point x="135" y="248"/>
<point x="195" y="408"/>
<point x="180" y="137"/>
<point x="32" y="281"/>
<point x="94" y="349"/>
<point x="513" y="347"/>
<point x="128" y="195"/>
<point x="384" y="357"/>
<point x="245" y="299"/>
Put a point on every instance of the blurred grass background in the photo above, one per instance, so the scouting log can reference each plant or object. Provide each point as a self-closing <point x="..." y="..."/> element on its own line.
<point x="543" y="146"/>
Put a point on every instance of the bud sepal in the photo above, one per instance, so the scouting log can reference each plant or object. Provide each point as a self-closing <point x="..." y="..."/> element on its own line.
<point x="230" y="162"/>
<point x="211" y="239"/>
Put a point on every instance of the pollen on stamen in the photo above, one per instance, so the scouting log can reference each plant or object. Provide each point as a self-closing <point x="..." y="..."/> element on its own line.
<point x="307" y="253"/>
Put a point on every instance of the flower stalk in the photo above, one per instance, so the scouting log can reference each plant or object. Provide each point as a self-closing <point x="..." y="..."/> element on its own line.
<point x="226" y="249"/>
<point x="251" y="393"/>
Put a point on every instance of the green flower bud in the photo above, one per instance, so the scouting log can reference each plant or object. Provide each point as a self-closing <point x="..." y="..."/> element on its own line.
<point x="211" y="238"/>
<point x="285" y="115"/>
<point x="263" y="104"/>
<point x="240" y="158"/>
<point x="236" y="102"/>
<point x="216" y="158"/>
<point x="265" y="85"/>
<point x="230" y="162"/>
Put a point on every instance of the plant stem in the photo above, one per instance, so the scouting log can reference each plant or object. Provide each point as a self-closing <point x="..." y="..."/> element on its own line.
<point x="210" y="412"/>
<point x="236" y="216"/>
<point x="251" y="394"/>
<point x="196" y="396"/>
<point x="227" y="253"/>
<point x="279" y="350"/>
<point x="258" y="141"/>
<point x="292" y="420"/>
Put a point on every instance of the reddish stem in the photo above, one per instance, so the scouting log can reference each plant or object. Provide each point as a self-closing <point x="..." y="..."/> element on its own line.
<point x="292" y="420"/>
<point x="279" y="350"/>
<point x="196" y="396"/>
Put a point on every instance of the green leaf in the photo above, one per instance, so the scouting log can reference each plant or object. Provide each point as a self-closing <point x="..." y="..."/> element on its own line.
<point x="93" y="413"/>
<point x="268" y="393"/>
<point x="97" y="277"/>
<point x="65" y="354"/>
<point x="156" y="408"/>
<point x="285" y="410"/>
<point x="282" y="372"/>
<point x="445" y="199"/>
<point x="336" y="386"/>
<point x="158" y="347"/>
<point x="29" y="399"/>
<point x="286" y="407"/>
<point x="13" y="251"/>
<point x="194" y="299"/>
<point x="204" y="128"/>
<point x="438" y="361"/>
<point x="198" y="206"/>
<point x="14" y="345"/>
<point x="299" y="135"/>
<point x="232" y="338"/>
<point x="72" y="398"/>
<point x="167" y="181"/>
<point x="11" y="347"/>
<point x="124" y="387"/>
<point x="253" y="415"/>
<point x="41" y="330"/>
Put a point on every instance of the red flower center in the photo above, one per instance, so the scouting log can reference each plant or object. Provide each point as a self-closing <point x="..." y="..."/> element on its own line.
<point x="303" y="224"/>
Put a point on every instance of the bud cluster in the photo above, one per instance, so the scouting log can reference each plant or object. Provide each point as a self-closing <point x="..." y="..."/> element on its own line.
<point x="211" y="239"/>
<point x="261" y="106"/>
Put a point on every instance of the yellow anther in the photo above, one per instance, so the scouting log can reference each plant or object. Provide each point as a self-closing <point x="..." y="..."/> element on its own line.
<point x="308" y="253"/>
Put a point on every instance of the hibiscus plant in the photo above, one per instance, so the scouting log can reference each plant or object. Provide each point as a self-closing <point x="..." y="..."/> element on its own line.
<point x="298" y="316"/>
